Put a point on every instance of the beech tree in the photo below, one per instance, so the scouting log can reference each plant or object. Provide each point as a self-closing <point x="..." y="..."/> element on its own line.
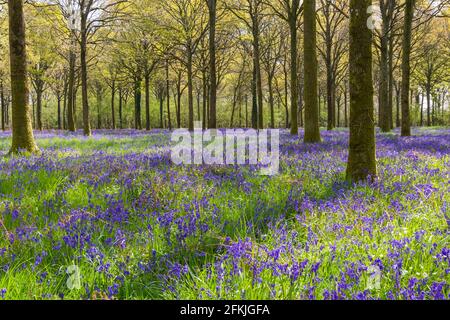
<point x="22" y="128"/>
<point x="312" y="129"/>
<point x="406" y="68"/>
<point x="186" y="25"/>
<point x="361" y="160"/>
<point x="290" y="11"/>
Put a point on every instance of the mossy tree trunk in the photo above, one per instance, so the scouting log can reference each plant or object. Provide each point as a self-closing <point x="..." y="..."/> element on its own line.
<point x="71" y="93"/>
<point x="84" y="74"/>
<point x="312" y="130"/>
<point x="22" y="128"/>
<point x="406" y="68"/>
<point x="361" y="161"/>
<point x="212" y="64"/>
<point x="387" y="9"/>
<point x="292" y="18"/>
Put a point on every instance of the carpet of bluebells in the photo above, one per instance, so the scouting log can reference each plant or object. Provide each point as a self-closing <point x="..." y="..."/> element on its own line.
<point x="139" y="227"/>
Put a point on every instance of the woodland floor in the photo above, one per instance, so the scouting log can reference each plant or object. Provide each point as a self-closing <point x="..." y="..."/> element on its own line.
<point x="138" y="227"/>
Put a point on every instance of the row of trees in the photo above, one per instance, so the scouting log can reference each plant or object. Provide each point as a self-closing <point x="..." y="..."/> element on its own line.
<point x="241" y="59"/>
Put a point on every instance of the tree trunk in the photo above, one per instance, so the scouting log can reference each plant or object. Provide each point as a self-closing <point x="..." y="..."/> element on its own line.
<point x="205" y="93"/>
<point x="71" y="93"/>
<point x="286" y="98"/>
<point x="168" y="95"/>
<point x="330" y="84"/>
<point x="39" y="109"/>
<point x="64" y="112"/>
<point x="2" y="101"/>
<point x="161" y="111"/>
<point x="345" y="108"/>
<point x="421" y="110"/>
<point x="147" y="102"/>
<point x="384" y="80"/>
<point x="429" y="104"/>
<point x="190" y="76"/>
<point x="212" y="65"/>
<point x="330" y="100"/>
<point x="338" y="113"/>
<point x="257" y="66"/>
<point x="113" y="100"/>
<point x="398" y="103"/>
<point x="137" y="103"/>
<point x="199" y="114"/>
<point x="246" y="111"/>
<point x="312" y="130"/>
<point x="178" y="105"/>
<point x="294" y="74"/>
<point x="22" y="129"/>
<point x="254" y="100"/>
<point x="120" y="108"/>
<point x="59" y="113"/>
<point x="361" y="161"/>
<point x="84" y="78"/>
<point x="99" y="104"/>
<point x="233" y="107"/>
<point x="391" y="82"/>
<point x="271" y="103"/>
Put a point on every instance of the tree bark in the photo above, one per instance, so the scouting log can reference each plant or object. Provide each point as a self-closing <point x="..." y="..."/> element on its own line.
<point x="294" y="70"/>
<point x="257" y="66"/>
<point x="147" y="102"/>
<point x="398" y="103"/>
<point x="2" y="101"/>
<point x="391" y="82"/>
<point x="428" y="103"/>
<point x="421" y="110"/>
<point x="254" y="100"/>
<point x="312" y="130"/>
<point x="271" y="103"/>
<point x="137" y="103"/>
<point x="84" y="77"/>
<point x="161" y="111"/>
<point x="39" y="109"/>
<point x="71" y="93"/>
<point x="190" y="89"/>
<point x="120" y="108"/>
<point x="59" y="113"/>
<point x="99" y="104"/>
<point x="205" y="98"/>
<point x="64" y="111"/>
<point x="22" y="128"/>
<point x="330" y="76"/>
<point x="384" y="70"/>
<point x="168" y="95"/>
<point x="345" y="107"/>
<point x="212" y="65"/>
<point x="113" y="100"/>
<point x="361" y="161"/>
